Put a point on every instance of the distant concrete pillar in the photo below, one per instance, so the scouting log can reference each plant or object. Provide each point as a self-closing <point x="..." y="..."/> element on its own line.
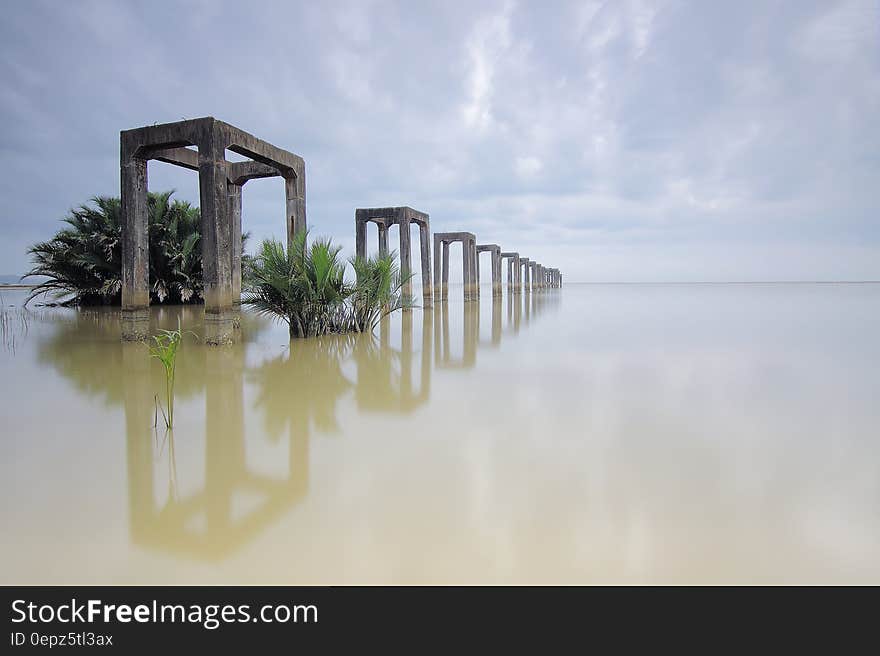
<point x="445" y="272"/>
<point x="533" y="275"/>
<point x="526" y="278"/>
<point x="425" y="247"/>
<point x="135" y="246"/>
<point x="472" y="289"/>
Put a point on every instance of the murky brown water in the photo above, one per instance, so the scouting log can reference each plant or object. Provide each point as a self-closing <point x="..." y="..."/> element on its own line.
<point x="599" y="433"/>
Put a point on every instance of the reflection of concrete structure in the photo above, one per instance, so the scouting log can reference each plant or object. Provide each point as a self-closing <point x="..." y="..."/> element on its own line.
<point x="470" y="331"/>
<point x="379" y="386"/>
<point x="442" y="240"/>
<point x="402" y="217"/>
<point x="495" y="252"/>
<point x="496" y="321"/>
<point x="220" y="184"/>
<point x="514" y="271"/>
<point x="208" y="524"/>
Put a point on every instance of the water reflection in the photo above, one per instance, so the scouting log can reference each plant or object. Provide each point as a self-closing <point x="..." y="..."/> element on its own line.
<point x="295" y="393"/>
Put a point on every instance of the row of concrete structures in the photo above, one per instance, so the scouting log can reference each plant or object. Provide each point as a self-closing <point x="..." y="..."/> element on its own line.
<point x="523" y="274"/>
<point x="200" y="145"/>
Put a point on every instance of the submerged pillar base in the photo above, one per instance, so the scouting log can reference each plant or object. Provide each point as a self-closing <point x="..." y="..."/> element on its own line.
<point x="136" y="325"/>
<point x="219" y="327"/>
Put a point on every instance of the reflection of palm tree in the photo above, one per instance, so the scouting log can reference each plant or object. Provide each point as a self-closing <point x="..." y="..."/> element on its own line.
<point x="304" y="385"/>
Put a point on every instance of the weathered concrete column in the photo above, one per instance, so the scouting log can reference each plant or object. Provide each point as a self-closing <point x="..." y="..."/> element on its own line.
<point x="234" y="196"/>
<point x="425" y="247"/>
<point x="533" y="275"/>
<point x="135" y="244"/>
<point x="405" y="256"/>
<point x="360" y="237"/>
<point x="383" y="239"/>
<point x="295" y="192"/>
<point x="216" y="239"/>
<point x="469" y="272"/>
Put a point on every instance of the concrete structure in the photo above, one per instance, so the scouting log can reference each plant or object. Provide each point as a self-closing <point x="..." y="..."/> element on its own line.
<point x="514" y="271"/>
<point x="525" y="265"/>
<point x="441" y="271"/>
<point x="535" y="273"/>
<point x="470" y="335"/>
<point x="402" y="217"/>
<point x="495" y="251"/>
<point x="220" y="183"/>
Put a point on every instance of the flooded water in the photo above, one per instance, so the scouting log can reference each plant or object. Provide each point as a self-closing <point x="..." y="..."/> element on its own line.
<point x="597" y="433"/>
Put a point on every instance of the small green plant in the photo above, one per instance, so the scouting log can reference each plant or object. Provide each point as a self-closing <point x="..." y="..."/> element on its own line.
<point x="165" y="348"/>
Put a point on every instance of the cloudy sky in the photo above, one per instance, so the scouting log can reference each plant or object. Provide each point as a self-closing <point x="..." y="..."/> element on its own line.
<point x="620" y="141"/>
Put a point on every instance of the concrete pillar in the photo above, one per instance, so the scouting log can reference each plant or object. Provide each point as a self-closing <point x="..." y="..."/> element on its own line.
<point x="383" y="239"/>
<point x="216" y="240"/>
<point x="496" y="272"/>
<point x="360" y="232"/>
<point x="526" y="278"/>
<point x="135" y="247"/>
<point x="469" y="273"/>
<point x="295" y="193"/>
<point x="234" y="197"/>
<point x="425" y="246"/>
<point x="445" y="272"/>
<point x="405" y="256"/>
<point x="438" y="284"/>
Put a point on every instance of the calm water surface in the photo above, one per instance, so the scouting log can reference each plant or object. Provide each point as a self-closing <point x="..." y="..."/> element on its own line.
<point x="598" y="433"/>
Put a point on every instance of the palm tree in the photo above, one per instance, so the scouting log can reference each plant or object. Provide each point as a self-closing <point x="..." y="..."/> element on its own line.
<point x="305" y="287"/>
<point x="82" y="263"/>
<point x="378" y="291"/>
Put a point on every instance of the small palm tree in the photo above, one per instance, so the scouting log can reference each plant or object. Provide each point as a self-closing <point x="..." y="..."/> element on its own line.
<point x="303" y="286"/>
<point x="378" y="291"/>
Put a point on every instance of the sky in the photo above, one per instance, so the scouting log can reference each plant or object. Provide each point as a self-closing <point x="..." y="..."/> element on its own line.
<point x="617" y="141"/>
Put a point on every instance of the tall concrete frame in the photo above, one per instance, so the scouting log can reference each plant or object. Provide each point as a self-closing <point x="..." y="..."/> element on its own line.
<point x="514" y="271"/>
<point x="402" y="217"/>
<point x="220" y="183"/>
<point x="441" y="263"/>
<point x="495" y="251"/>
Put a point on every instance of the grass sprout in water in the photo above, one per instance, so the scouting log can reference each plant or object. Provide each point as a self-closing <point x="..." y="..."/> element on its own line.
<point x="165" y="348"/>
